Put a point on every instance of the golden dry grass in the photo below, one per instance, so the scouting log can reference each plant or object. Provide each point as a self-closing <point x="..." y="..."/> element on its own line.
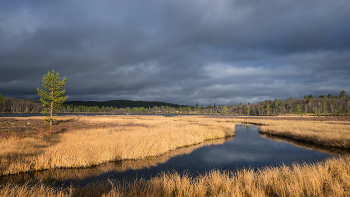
<point x="323" y="133"/>
<point x="136" y="137"/>
<point x="83" y="173"/>
<point x="329" y="178"/>
<point x="308" y="146"/>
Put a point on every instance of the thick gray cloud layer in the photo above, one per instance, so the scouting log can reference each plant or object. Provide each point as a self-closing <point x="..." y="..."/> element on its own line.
<point x="183" y="52"/>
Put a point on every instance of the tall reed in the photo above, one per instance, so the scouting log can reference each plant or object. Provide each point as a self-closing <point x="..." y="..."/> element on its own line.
<point x="135" y="137"/>
<point x="328" y="178"/>
<point x="331" y="134"/>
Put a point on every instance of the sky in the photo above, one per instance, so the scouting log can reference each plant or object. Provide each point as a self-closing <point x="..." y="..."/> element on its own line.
<point x="184" y="52"/>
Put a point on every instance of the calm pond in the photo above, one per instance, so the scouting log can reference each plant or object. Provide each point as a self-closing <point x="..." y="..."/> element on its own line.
<point x="247" y="149"/>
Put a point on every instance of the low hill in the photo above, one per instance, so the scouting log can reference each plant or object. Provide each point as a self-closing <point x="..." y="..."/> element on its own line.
<point x="123" y="103"/>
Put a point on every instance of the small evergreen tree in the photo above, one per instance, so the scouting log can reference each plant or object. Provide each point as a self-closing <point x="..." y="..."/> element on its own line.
<point x="267" y="108"/>
<point x="340" y="110"/>
<point x="275" y="106"/>
<point x="248" y="110"/>
<point x="224" y="110"/>
<point x="52" y="97"/>
<point x="342" y="94"/>
<point x="261" y="110"/>
<point x="314" y="111"/>
<point x="298" y="110"/>
<point x="308" y="100"/>
<point x="324" y="105"/>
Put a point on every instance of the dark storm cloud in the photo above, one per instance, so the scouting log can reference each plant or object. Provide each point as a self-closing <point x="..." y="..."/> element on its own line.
<point x="177" y="51"/>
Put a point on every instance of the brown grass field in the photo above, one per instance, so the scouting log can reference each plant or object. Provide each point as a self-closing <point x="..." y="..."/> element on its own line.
<point x="325" y="133"/>
<point x="328" y="178"/>
<point x="86" y="141"/>
<point x="83" y="173"/>
<point x="122" y="138"/>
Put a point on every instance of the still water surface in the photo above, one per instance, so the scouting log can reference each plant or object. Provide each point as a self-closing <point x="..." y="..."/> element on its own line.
<point x="247" y="149"/>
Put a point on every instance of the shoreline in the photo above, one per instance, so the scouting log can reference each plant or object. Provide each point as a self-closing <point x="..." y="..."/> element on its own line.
<point x="330" y="177"/>
<point x="266" y="126"/>
<point x="133" y="138"/>
<point x="320" y="133"/>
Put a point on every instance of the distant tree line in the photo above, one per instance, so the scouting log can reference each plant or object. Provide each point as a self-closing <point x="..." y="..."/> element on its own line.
<point x="138" y="110"/>
<point x="331" y="105"/>
<point x="122" y="104"/>
<point x="13" y="105"/>
<point x="325" y="105"/>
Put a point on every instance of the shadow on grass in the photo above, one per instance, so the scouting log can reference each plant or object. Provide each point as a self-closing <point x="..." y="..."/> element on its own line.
<point x="309" y="146"/>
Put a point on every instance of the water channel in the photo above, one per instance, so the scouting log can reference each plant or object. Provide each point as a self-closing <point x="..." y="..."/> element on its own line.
<point x="248" y="149"/>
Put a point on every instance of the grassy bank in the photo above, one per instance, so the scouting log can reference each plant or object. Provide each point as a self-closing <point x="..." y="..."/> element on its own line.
<point x="136" y="137"/>
<point x="308" y="146"/>
<point x="126" y="137"/>
<point x="83" y="173"/>
<point x="329" y="134"/>
<point x="329" y="178"/>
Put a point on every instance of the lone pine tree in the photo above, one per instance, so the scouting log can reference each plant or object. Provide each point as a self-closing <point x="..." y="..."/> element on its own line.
<point x="52" y="97"/>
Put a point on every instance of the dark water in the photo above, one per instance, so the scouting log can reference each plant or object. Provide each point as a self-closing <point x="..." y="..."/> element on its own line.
<point x="248" y="149"/>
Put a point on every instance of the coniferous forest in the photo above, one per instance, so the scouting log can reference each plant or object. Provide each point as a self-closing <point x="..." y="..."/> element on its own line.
<point x="321" y="105"/>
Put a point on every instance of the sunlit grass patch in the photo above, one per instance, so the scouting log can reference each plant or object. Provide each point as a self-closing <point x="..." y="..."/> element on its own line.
<point x="324" y="133"/>
<point x="132" y="137"/>
<point x="328" y="178"/>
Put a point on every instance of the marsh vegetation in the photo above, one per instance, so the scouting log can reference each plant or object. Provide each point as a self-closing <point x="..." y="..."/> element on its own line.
<point x="329" y="105"/>
<point x="331" y="134"/>
<point x="100" y="139"/>
<point x="120" y="138"/>
<point x="328" y="178"/>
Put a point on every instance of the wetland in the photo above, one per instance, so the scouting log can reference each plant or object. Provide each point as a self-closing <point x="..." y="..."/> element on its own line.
<point x="205" y="147"/>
